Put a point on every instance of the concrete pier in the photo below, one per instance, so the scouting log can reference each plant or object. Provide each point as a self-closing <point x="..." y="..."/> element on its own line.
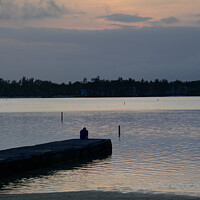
<point x="16" y="160"/>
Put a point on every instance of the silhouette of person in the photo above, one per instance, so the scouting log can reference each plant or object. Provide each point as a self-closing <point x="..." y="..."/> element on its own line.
<point x="84" y="133"/>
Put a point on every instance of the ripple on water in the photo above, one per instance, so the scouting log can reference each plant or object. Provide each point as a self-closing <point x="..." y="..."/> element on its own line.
<point x="157" y="151"/>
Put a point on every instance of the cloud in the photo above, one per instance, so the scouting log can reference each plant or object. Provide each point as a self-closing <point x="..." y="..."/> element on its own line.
<point x="70" y="55"/>
<point x="170" y="20"/>
<point x="107" y="8"/>
<point x="124" y="26"/>
<point x="198" y="15"/>
<point x="125" y="18"/>
<point x="11" y="9"/>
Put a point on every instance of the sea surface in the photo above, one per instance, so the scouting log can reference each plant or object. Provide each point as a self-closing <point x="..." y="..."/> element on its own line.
<point x="158" y="151"/>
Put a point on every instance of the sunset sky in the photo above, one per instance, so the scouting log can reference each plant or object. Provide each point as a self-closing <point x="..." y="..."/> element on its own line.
<point x="67" y="40"/>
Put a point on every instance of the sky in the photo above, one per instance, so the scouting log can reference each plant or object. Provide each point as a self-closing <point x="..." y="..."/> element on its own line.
<point x="68" y="40"/>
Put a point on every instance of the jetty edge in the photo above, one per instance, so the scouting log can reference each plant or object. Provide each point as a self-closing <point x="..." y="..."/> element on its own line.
<point x="21" y="159"/>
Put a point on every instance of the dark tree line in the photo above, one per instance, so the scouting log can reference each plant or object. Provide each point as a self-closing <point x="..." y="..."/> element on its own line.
<point x="98" y="88"/>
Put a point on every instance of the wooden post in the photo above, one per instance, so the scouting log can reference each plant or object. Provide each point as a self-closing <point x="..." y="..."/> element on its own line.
<point x="119" y="131"/>
<point x="61" y="116"/>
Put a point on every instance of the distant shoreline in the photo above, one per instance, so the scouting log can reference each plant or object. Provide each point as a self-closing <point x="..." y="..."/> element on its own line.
<point x="85" y="97"/>
<point x="98" y="88"/>
<point x="97" y="195"/>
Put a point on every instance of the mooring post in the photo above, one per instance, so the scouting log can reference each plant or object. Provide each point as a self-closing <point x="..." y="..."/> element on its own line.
<point x="119" y="130"/>
<point x="61" y="116"/>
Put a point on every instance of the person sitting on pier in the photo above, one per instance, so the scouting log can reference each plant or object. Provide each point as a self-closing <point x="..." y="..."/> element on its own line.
<point x="84" y="133"/>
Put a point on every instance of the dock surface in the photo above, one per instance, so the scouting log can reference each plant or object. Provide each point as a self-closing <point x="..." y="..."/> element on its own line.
<point x="22" y="159"/>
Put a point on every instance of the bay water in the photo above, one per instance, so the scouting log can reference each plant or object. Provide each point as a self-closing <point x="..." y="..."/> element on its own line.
<point x="158" y="151"/>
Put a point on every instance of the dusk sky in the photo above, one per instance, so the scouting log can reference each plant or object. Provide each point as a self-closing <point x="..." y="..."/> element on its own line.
<point x="67" y="40"/>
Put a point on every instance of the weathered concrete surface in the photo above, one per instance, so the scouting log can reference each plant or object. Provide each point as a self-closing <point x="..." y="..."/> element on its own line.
<point x="22" y="159"/>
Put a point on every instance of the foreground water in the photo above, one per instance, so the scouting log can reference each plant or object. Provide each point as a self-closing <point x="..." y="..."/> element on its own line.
<point x="159" y="148"/>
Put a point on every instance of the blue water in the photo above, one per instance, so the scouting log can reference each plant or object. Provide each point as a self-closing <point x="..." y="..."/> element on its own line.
<point x="158" y="152"/>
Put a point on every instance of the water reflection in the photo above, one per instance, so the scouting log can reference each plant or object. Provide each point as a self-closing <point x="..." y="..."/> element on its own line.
<point x="158" y="149"/>
<point x="27" y="182"/>
<point x="98" y="104"/>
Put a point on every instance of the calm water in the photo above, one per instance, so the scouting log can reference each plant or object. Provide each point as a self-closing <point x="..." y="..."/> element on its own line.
<point x="159" y="149"/>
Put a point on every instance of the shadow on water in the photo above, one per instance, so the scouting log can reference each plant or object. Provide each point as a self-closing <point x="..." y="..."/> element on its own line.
<point x="51" y="170"/>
